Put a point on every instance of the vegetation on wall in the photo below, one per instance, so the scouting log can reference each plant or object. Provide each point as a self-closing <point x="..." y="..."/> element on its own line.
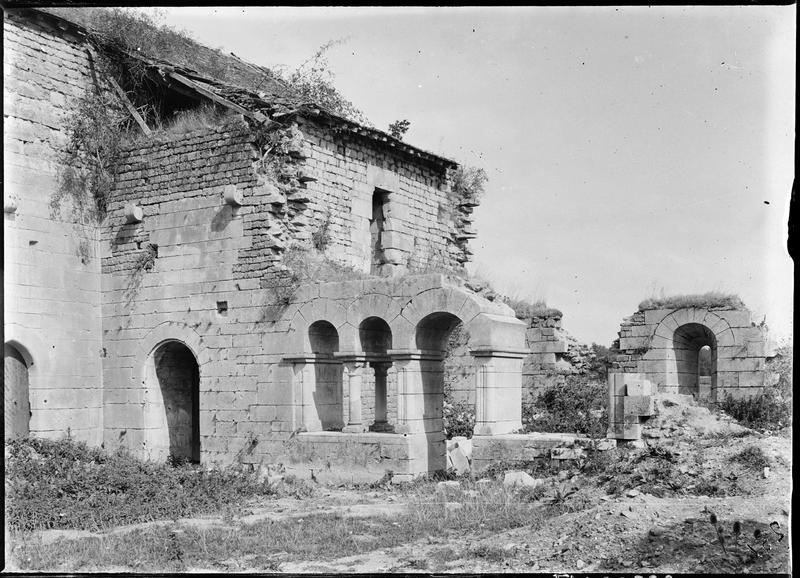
<point x="399" y="128"/>
<point x="90" y="160"/>
<point x="312" y="81"/>
<point x="708" y="300"/>
<point x="468" y="183"/>
<point x="524" y="309"/>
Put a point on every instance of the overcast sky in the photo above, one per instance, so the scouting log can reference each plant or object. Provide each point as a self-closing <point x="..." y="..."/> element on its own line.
<point x="630" y="151"/>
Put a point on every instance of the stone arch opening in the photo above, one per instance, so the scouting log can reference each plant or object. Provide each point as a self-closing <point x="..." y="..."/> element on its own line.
<point x="432" y="337"/>
<point x="695" y="348"/>
<point x="16" y="392"/>
<point x="327" y="392"/>
<point x="375" y="337"/>
<point x="173" y="416"/>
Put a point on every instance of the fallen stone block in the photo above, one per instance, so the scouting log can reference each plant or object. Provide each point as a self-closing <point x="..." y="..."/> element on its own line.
<point x="465" y="445"/>
<point x="566" y="453"/>
<point x="448" y="485"/>
<point x="517" y="478"/>
<point x="605" y="445"/>
<point x="459" y="460"/>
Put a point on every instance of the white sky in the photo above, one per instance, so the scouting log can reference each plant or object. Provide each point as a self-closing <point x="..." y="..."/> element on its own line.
<point x="630" y="150"/>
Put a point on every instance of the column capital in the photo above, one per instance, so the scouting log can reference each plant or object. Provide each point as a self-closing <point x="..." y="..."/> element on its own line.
<point x="350" y="356"/>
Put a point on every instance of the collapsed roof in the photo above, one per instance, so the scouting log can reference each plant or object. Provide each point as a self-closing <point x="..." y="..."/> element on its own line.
<point x="268" y="101"/>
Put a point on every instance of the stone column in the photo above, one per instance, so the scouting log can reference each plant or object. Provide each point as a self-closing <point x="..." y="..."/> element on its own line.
<point x="353" y="373"/>
<point x="498" y="392"/>
<point x="305" y="383"/>
<point x="381" y="395"/>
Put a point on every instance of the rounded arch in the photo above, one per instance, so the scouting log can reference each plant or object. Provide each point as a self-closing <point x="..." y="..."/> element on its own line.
<point x="374" y="335"/>
<point x="319" y="309"/>
<point x="685" y="369"/>
<point x="16" y="391"/>
<point x="171" y="331"/>
<point x="323" y="338"/>
<point x="492" y="324"/>
<point x="172" y="402"/>
<point x="433" y="331"/>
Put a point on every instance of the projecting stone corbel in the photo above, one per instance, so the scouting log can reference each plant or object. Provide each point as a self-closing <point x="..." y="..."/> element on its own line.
<point x="133" y="214"/>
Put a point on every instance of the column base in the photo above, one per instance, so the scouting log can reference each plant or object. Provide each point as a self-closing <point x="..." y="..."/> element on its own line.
<point x="355" y="428"/>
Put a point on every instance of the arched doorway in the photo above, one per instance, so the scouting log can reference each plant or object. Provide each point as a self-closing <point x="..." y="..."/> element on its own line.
<point x="695" y="350"/>
<point x="174" y="411"/>
<point x="327" y="394"/>
<point x="376" y="340"/>
<point x="432" y="337"/>
<point x="16" y="401"/>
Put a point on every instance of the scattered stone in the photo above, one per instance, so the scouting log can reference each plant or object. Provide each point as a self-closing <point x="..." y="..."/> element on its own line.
<point x="453" y="506"/>
<point x="517" y="478"/>
<point x="563" y="475"/>
<point x="632" y="493"/>
<point x="627" y="563"/>
<point x="766" y="472"/>
<point x="579" y="564"/>
<point x="449" y="484"/>
<point x="606" y="444"/>
<point x="656" y="531"/>
<point x="484" y="481"/>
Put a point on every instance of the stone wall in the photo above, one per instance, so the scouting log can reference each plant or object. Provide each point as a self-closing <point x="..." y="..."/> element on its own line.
<point x="52" y="273"/>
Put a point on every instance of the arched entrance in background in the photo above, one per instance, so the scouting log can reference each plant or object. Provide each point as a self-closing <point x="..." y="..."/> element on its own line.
<point x="324" y="340"/>
<point x="16" y="400"/>
<point x="695" y="349"/>
<point x="173" y="417"/>
<point x="376" y="339"/>
<point x="432" y="337"/>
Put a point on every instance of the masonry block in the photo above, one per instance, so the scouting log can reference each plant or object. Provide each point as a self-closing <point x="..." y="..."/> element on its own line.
<point x="638" y="405"/>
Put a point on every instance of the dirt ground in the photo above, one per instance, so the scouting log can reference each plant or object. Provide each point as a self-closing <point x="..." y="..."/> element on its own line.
<point x="645" y="509"/>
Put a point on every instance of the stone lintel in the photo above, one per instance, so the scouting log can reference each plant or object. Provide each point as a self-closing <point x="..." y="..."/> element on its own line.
<point x="415" y="354"/>
<point x="508" y="353"/>
<point x="308" y="358"/>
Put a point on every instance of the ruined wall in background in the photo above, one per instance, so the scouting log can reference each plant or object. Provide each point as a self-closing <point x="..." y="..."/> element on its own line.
<point x="51" y="284"/>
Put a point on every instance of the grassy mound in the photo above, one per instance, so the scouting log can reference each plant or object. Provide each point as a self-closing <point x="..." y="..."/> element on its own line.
<point x="709" y="300"/>
<point x="65" y="484"/>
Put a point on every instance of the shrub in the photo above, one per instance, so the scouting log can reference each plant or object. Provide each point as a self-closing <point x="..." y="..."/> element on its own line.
<point x="577" y="406"/>
<point x="767" y="410"/>
<point x="66" y="484"/>
<point x="459" y="419"/>
<point x="753" y="457"/>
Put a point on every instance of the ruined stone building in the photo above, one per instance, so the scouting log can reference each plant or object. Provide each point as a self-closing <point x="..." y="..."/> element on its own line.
<point x="272" y="287"/>
<point x="176" y="325"/>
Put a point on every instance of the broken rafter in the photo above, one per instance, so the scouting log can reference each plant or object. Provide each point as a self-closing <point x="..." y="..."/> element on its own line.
<point x="129" y="105"/>
<point x="257" y="116"/>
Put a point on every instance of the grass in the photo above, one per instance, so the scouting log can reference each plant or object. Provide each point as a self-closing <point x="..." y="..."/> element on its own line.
<point x="708" y="300"/>
<point x="65" y="484"/>
<point x="263" y="545"/>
